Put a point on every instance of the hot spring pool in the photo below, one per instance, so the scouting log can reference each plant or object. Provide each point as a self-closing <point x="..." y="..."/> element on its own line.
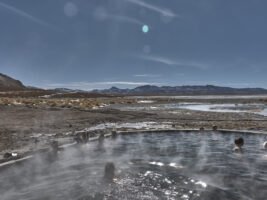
<point x="148" y="166"/>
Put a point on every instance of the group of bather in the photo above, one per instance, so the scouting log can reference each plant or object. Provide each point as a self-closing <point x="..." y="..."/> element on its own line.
<point x="84" y="138"/>
<point x="110" y="168"/>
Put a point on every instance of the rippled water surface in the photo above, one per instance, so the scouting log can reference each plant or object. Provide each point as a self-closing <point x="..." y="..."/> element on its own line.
<point x="148" y="166"/>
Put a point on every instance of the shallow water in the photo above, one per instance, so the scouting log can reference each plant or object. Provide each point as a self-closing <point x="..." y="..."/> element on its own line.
<point x="260" y="109"/>
<point x="148" y="166"/>
<point x="203" y="97"/>
<point x="250" y="108"/>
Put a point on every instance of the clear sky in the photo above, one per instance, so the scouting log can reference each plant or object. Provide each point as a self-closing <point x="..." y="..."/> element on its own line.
<point x="90" y="44"/>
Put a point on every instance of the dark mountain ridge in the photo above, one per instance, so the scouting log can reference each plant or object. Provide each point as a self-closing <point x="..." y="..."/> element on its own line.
<point x="9" y="84"/>
<point x="183" y="90"/>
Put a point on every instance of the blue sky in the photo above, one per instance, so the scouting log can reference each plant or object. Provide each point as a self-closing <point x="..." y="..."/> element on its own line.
<point x="90" y="44"/>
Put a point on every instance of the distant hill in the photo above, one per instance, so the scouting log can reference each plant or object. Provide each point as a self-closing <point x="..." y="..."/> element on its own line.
<point x="9" y="84"/>
<point x="183" y="90"/>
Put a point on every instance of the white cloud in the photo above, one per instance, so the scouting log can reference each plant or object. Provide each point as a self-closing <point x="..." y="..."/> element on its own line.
<point x="162" y="11"/>
<point x="172" y="62"/>
<point x="27" y="16"/>
<point x="162" y="60"/>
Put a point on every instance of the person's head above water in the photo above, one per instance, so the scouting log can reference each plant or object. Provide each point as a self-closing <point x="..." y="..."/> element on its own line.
<point x="239" y="142"/>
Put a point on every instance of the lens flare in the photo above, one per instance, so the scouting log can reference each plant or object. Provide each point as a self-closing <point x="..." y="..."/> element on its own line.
<point x="145" y="28"/>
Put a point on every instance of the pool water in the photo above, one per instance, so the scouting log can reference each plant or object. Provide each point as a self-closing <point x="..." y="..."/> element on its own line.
<point x="148" y="166"/>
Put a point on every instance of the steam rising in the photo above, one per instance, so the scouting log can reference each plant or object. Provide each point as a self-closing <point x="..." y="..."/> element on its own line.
<point x="147" y="166"/>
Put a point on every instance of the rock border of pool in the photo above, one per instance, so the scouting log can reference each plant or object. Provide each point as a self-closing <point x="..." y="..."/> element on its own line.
<point x="4" y="163"/>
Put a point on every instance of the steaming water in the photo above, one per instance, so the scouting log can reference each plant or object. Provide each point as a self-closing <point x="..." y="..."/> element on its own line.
<point x="148" y="166"/>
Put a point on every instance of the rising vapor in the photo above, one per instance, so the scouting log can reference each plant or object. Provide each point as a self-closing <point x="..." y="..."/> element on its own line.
<point x="172" y="62"/>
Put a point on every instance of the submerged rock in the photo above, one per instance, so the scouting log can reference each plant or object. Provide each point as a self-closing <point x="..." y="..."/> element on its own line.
<point x="101" y="138"/>
<point x="55" y="146"/>
<point x="85" y="137"/>
<point x="82" y="137"/>
<point x="77" y="139"/>
<point x="114" y="134"/>
<point x="52" y="155"/>
<point x="109" y="172"/>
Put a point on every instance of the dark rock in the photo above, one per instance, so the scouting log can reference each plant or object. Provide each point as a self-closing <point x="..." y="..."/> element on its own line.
<point x="114" y="134"/>
<point x="101" y="138"/>
<point x="77" y="139"/>
<point x="55" y="146"/>
<point x="85" y="137"/>
<point x="109" y="172"/>
<point x="7" y="155"/>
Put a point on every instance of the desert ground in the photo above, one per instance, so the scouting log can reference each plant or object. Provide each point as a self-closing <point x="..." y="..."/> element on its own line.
<point x="29" y="123"/>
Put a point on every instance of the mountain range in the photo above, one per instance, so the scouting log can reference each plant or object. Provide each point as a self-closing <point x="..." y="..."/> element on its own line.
<point x="9" y="84"/>
<point x="183" y="90"/>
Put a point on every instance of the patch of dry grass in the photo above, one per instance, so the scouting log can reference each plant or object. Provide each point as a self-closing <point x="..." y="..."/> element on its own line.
<point x="81" y="103"/>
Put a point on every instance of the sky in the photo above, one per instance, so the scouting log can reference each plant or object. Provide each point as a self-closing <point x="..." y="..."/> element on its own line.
<point x="88" y="44"/>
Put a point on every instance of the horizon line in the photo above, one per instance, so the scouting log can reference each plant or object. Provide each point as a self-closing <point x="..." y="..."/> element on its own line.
<point x="140" y="85"/>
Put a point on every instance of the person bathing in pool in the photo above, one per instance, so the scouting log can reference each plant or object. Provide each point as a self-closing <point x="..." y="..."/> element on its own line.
<point x="238" y="145"/>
